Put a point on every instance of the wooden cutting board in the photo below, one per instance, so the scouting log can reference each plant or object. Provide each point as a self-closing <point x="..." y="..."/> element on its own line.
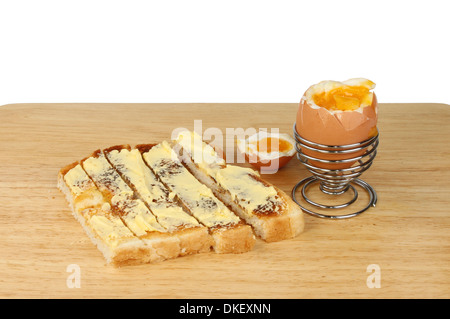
<point x="404" y="242"/>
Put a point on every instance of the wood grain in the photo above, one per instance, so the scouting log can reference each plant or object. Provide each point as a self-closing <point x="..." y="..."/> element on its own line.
<point x="407" y="234"/>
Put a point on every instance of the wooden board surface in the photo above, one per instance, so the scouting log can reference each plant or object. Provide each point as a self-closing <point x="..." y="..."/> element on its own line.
<point x="407" y="235"/>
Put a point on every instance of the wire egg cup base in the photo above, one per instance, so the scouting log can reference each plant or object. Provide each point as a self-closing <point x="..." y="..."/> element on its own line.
<point x="335" y="182"/>
<point x="306" y="182"/>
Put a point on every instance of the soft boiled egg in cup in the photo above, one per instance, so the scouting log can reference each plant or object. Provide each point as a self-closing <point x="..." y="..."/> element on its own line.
<point x="337" y="113"/>
<point x="266" y="151"/>
<point x="336" y="128"/>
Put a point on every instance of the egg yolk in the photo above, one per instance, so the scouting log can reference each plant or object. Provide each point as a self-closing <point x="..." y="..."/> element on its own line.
<point x="265" y="145"/>
<point x="344" y="98"/>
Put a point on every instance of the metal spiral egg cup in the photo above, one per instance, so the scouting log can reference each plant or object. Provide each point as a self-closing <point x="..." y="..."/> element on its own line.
<point x="336" y="181"/>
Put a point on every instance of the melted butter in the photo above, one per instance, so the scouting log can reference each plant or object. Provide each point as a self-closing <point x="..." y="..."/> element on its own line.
<point x="133" y="211"/>
<point x="136" y="215"/>
<point x="131" y="165"/>
<point x="84" y="192"/>
<point x="105" y="177"/>
<point x="109" y="228"/>
<point x="201" y="153"/>
<point x="248" y="192"/>
<point x="197" y="197"/>
<point x="77" y="180"/>
<point x="245" y="190"/>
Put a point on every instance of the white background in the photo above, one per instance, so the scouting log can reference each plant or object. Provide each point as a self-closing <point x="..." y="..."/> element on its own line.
<point x="220" y="51"/>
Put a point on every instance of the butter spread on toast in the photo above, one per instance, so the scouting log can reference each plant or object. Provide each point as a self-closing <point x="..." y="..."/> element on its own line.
<point x="243" y="184"/>
<point x="107" y="226"/>
<point x="160" y="201"/>
<point x="133" y="211"/>
<point x="198" y="198"/>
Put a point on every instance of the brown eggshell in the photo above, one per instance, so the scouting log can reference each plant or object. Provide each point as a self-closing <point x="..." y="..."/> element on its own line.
<point x="321" y="126"/>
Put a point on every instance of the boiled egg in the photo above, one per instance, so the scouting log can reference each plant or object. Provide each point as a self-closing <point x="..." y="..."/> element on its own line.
<point x="267" y="151"/>
<point x="338" y="113"/>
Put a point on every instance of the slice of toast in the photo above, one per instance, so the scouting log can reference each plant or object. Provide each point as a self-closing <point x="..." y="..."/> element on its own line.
<point x="273" y="215"/>
<point x="106" y="230"/>
<point x="134" y="213"/>
<point x="229" y="232"/>
<point x="193" y="237"/>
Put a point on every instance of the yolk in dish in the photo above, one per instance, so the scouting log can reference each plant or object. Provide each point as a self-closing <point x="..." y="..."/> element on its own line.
<point x="265" y="145"/>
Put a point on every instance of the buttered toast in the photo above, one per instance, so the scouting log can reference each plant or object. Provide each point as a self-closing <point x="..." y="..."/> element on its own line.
<point x="133" y="211"/>
<point x="192" y="236"/>
<point x="273" y="215"/>
<point x="230" y="234"/>
<point x="105" y="228"/>
<point x="155" y="202"/>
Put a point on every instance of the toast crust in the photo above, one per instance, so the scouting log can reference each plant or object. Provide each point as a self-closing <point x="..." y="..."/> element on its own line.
<point x="235" y="239"/>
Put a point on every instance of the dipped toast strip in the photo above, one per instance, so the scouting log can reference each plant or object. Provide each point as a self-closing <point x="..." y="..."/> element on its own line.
<point x="229" y="232"/>
<point x="106" y="230"/>
<point x="133" y="212"/>
<point x="193" y="237"/>
<point x="272" y="214"/>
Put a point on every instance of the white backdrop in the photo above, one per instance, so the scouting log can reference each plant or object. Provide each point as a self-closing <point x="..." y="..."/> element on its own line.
<point x="220" y="51"/>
